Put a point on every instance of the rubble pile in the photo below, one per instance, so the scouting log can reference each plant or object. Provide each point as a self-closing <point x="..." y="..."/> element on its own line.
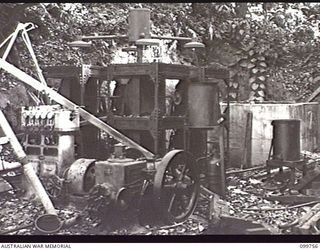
<point x="246" y="199"/>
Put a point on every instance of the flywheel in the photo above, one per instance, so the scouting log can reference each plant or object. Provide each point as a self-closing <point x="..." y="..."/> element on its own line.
<point x="176" y="186"/>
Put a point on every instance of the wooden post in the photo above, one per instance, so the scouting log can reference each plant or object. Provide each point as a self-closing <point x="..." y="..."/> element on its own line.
<point x="247" y="149"/>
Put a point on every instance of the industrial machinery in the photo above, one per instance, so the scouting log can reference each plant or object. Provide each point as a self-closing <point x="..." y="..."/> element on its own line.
<point x="124" y="148"/>
<point x="49" y="141"/>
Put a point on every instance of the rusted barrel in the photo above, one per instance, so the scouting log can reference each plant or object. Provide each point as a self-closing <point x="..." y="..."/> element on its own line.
<point x="139" y="23"/>
<point x="286" y="139"/>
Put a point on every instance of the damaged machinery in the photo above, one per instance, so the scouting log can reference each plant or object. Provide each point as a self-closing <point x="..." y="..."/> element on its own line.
<point x="106" y="133"/>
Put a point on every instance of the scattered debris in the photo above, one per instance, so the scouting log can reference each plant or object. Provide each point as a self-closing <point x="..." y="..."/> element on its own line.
<point x="248" y="208"/>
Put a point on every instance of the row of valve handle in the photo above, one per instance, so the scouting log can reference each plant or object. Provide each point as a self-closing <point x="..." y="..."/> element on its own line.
<point x="44" y="120"/>
<point x="49" y="119"/>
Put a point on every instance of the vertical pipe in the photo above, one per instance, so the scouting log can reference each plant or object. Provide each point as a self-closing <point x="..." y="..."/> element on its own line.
<point x="227" y="160"/>
<point x="222" y="161"/>
<point x="27" y="167"/>
<point x="156" y="108"/>
<point x="65" y="151"/>
<point x="139" y="53"/>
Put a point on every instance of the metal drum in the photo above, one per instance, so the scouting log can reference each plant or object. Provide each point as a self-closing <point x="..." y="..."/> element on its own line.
<point x="286" y="139"/>
<point x="203" y="104"/>
<point x="214" y="176"/>
<point x="139" y="22"/>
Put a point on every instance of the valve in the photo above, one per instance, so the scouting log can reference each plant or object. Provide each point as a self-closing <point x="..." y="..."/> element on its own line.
<point x="50" y="121"/>
<point x="73" y="115"/>
<point x="30" y="121"/>
<point x="24" y="120"/>
<point x="37" y="119"/>
<point x="43" y="117"/>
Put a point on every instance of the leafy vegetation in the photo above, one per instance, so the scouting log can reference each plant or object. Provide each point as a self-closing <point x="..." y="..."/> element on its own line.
<point x="272" y="49"/>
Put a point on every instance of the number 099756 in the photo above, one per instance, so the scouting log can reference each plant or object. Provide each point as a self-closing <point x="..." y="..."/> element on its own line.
<point x="309" y="246"/>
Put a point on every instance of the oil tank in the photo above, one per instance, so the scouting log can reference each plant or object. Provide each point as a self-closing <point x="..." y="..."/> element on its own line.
<point x="139" y="22"/>
<point x="286" y="139"/>
<point x="203" y="104"/>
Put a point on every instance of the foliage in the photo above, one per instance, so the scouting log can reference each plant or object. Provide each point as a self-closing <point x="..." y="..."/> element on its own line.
<point x="270" y="48"/>
<point x="280" y="34"/>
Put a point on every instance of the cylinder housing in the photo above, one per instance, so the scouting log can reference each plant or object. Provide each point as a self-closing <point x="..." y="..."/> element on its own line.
<point x="203" y="104"/>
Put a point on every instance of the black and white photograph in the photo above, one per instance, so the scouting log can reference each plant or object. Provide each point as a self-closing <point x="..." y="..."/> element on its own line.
<point x="159" y="119"/>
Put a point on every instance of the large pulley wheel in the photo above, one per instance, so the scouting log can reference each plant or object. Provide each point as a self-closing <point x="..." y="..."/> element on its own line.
<point x="176" y="186"/>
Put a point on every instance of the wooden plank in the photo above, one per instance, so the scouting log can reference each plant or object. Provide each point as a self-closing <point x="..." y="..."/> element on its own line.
<point x="307" y="216"/>
<point x="314" y="95"/>
<point x="293" y="199"/>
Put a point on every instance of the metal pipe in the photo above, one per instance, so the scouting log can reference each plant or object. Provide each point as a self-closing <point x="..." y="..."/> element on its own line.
<point x="28" y="169"/>
<point x="9" y="46"/>
<point x="37" y="85"/>
<point x="139" y="54"/>
<point x="186" y="39"/>
<point x="103" y="37"/>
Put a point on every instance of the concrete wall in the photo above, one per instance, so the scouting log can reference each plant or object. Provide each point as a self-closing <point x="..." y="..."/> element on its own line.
<point x="263" y="114"/>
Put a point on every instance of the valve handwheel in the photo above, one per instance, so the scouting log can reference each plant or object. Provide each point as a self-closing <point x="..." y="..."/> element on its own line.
<point x="176" y="186"/>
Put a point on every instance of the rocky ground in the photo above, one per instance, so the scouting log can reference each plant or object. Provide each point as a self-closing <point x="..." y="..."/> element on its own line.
<point x="246" y="199"/>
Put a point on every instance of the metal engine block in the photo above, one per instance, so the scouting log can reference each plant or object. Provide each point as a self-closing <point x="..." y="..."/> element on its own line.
<point x="49" y="139"/>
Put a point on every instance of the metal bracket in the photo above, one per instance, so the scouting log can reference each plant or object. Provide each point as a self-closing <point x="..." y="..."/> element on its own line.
<point x="85" y="73"/>
<point x="154" y="129"/>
